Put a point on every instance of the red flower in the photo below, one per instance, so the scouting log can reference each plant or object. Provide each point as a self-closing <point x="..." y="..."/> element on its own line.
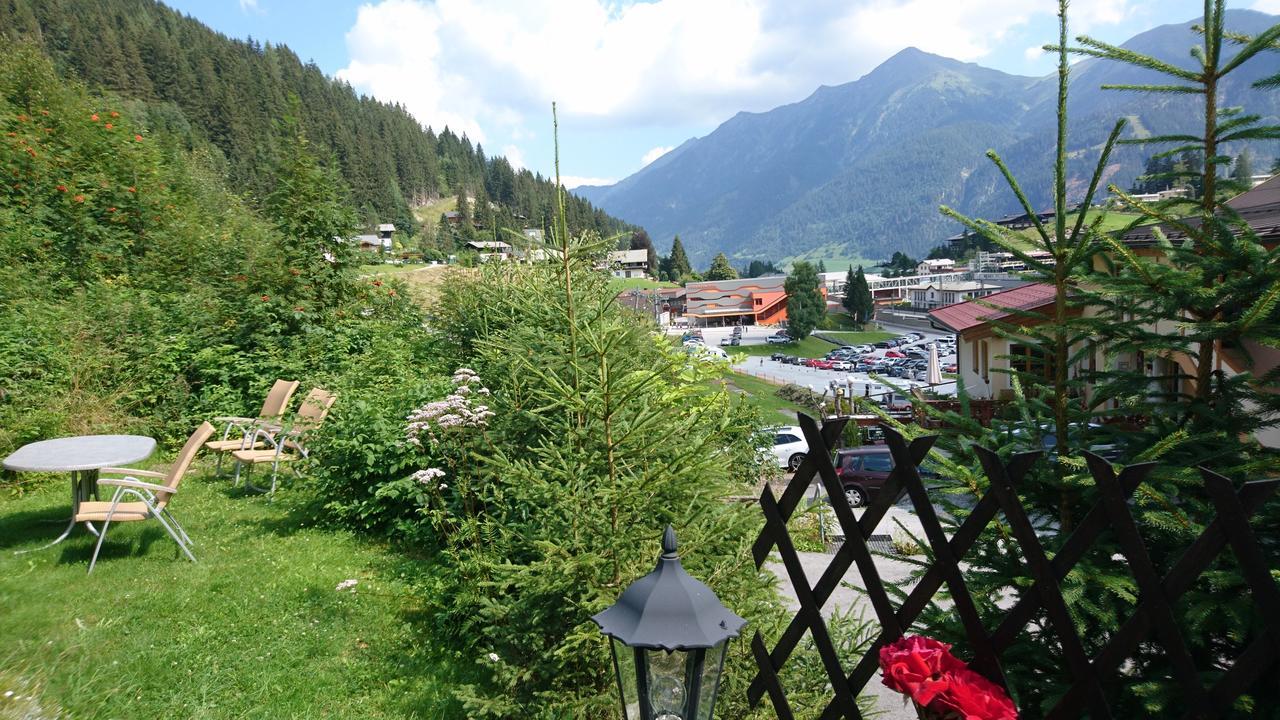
<point x="133" y="189"/>
<point x="377" y="283"/>
<point x="22" y="118"/>
<point x="94" y="117"/>
<point x="111" y="209"/>
<point x="265" y="298"/>
<point x="78" y="198"/>
<point x="44" y="112"/>
<point x="115" y="114"/>
<point x="973" y="697"/>
<point x="62" y="188"/>
<point x="911" y="661"/>
<point x="109" y="126"/>
<point x="392" y="293"/>
<point x="138" y="138"/>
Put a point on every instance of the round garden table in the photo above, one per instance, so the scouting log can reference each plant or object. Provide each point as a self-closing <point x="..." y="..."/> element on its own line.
<point x="83" y="457"/>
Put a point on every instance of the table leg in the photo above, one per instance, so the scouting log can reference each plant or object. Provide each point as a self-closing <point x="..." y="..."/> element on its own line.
<point x="76" y="489"/>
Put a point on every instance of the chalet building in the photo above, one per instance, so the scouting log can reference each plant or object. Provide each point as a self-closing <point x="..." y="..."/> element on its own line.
<point x="984" y="358"/>
<point x="627" y="263"/>
<point x="491" y="250"/>
<point x="746" y="301"/>
<point x="937" y="265"/>
<point x="932" y="295"/>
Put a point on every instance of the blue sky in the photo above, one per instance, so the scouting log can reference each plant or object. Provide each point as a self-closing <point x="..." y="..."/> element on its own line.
<point x="634" y="79"/>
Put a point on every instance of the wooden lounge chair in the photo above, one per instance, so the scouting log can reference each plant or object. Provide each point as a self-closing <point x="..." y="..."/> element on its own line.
<point x="239" y="430"/>
<point x="276" y="444"/>
<point x="152" y="499"/>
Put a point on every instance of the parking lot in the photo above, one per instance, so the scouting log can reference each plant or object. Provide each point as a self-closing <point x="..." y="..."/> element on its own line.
<point x="819" y="380"/>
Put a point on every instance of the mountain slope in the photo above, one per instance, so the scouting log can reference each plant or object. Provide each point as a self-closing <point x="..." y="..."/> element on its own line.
<point x="865" y="165"/>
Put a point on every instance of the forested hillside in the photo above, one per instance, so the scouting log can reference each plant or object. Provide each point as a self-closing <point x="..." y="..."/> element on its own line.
<point x="203" y="87"/>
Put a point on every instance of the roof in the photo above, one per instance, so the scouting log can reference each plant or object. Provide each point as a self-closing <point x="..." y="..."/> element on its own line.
<point x="1260" y="207"/>
<point x="629" y="257"/>
<point x="368" y="240"/>
<point x="489" y="245"/>
<point x="386" y="227"/>
<point x="973" y="313"/>
<point x="952" y="286"/>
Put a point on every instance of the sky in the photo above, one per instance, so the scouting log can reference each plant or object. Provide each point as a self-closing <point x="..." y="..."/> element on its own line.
<point x="633" y="79"/>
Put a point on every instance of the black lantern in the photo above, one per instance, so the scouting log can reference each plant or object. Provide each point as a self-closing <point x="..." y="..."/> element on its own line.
<point x="669" y="636"/>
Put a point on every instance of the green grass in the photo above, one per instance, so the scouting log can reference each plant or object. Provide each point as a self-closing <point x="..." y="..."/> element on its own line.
<point x="811" y="347"/>
<point x="763" y="396"/>
<point x="255" y="629"/>
<point x="860" y="337"/>
<point x="388" y="269"/>
<point x="618" y="285"/>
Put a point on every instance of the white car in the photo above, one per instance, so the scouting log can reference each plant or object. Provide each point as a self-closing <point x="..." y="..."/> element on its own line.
<point x="789" y="446"/>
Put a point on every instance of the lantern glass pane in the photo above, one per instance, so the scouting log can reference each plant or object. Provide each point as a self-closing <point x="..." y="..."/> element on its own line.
<point x="624" y="660"/>
<point x="668" y="692"/>
<point x="712" y="668"/>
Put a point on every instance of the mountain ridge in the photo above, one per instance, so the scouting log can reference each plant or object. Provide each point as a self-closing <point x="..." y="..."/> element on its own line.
<point x="863" y="165"/>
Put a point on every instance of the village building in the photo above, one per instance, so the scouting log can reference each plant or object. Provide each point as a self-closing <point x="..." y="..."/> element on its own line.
<point x="746" y="301"/>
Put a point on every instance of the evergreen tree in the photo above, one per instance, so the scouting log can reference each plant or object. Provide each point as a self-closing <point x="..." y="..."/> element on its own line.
<point x="857" y="297"/>
<point x="640" y="241"/>
<point x="822" y="267"/>
<point x="805" y="304"/>
<point x="1242" y="170"/>
<point x="680" y="267"/>
<point x="720" y="269"/>
<point x="760" y="268"/>
<point x="850" y="302"/>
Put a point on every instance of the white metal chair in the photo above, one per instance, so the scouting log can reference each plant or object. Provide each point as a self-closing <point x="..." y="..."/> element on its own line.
<point x="152" y="499"/>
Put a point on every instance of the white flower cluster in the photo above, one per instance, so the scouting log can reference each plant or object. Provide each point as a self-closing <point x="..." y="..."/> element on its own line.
<point x="427" y="476"/>
<point x="347" y="585"/>
<point x="461" y="409"/>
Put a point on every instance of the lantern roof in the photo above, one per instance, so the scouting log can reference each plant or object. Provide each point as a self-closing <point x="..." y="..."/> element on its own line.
<point x="669" y="609"/>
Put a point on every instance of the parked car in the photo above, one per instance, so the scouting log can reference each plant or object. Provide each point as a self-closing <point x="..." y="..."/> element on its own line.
<point x="777" y="357"/>
<point x="789" y="447"/>
<point x="821" y="364"/>
<point x="894" y="401"/>
<point x="863" y="349"/>
<point x="893" y="354"/>
<point x="726" y="340"/>
<point x="780" y="338"/>
<point x="882" y="345"/>
<point x="863" y="472"/>
<point x="949" y="368"/>
<point x="842" y="365"/>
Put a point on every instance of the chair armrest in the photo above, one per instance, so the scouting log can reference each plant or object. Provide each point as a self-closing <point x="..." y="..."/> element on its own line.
<point x="131" y="472"/>
<point x="137" y="484"/>
<point x="234" y="419"/>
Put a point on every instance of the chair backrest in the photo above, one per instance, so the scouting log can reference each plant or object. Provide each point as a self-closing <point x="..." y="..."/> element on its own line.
<point x="315" y="407"/>
<point x="278" y="399"/>
<point x="185" y="457"/>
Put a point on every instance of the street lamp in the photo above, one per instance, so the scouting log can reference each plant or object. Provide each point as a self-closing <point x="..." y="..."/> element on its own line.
<point x="669" y="635"/>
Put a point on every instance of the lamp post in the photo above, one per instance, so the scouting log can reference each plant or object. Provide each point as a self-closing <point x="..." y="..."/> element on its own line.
<point x="669" y="634"/>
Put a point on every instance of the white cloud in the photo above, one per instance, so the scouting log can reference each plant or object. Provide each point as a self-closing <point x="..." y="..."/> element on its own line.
<point x="251" y="6"/>
<point x="493" y="67"/>
<point x="514" y="156"/>
<point x="572" y="181"/>
<point x="1266" y="6"/>
<point x="655" y="153"/>
<point x="1035" y="52"/>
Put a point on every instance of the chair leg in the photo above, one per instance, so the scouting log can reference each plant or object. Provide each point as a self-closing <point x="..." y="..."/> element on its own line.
<point x="98" y="546"/>
<point x="169" y="516"/>
<point x="183" y="546"/>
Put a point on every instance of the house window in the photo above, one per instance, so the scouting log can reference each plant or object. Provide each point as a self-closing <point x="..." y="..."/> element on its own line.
<point x="1031" y="361"/>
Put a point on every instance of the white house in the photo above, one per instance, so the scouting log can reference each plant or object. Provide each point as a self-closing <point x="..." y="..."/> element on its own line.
<point x="941" y="294"/>
<point x="937" y="265"/>
<point x="491" y="250"/>
<point x="628" y="263"/>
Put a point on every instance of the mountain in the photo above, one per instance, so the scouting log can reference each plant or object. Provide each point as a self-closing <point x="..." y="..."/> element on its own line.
<point x="860" y="169"/>
<point x="235" y="97"/>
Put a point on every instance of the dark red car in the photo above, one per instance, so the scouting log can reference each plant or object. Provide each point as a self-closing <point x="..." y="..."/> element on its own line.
<point x="863" y="472"/>
<point x="823" y="364"/>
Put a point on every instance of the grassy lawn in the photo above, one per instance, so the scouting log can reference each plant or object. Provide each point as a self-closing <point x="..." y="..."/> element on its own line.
<point x="865" y="337"/>
<point x="388" y="269"/>
<point x="763" y="395"/>
<point x="618" y="285"/>
<point x="255" y="629"/>
<point x="808" y="347"/>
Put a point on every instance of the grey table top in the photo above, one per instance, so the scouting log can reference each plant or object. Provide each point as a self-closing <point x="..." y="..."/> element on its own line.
<point x="86" y="452"/>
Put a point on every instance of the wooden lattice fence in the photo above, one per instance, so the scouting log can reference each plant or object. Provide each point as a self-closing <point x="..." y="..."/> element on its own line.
<point x="1152" y="620"/>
